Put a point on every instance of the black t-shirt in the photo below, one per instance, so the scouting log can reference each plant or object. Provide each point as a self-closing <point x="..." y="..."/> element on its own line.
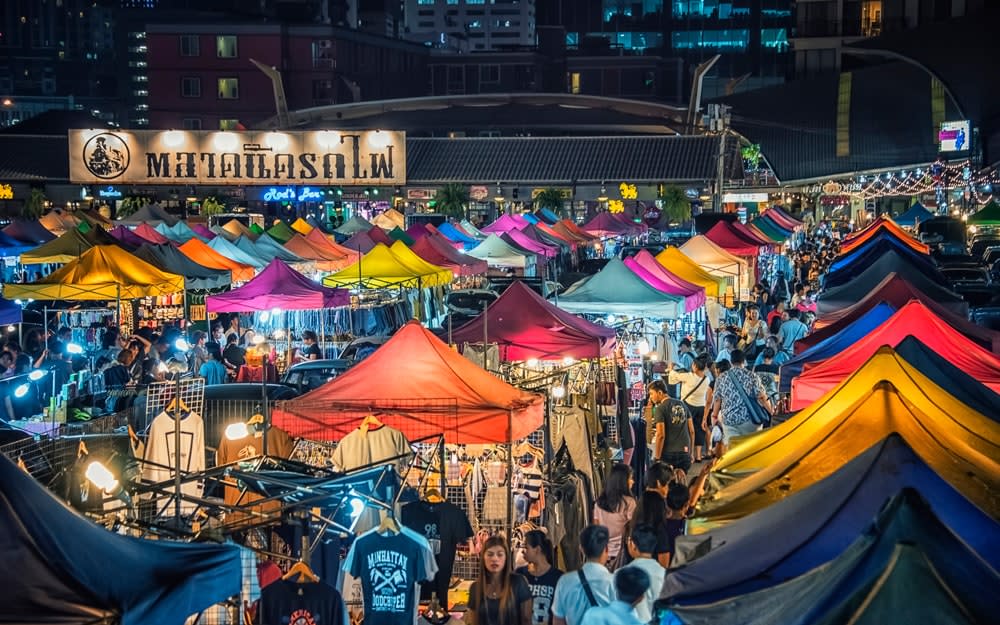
<point x="543" y="589"/>
<point x="673" y="414"/>
<point x="235" y="355"/>
<point x="762" y="368"/>
<point x="674" y="528"/>
<point x="445" y="526"/>
<point x="286" y="602"/>
<point x="520" y="590"/>
<point x="313" y="350"/>
<point x="389" y="567"/>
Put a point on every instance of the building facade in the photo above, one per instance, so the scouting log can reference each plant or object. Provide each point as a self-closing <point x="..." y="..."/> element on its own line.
<point x="470" y="25"/>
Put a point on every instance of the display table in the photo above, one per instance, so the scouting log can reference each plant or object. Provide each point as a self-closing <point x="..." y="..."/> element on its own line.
<point x="250" y="373"/>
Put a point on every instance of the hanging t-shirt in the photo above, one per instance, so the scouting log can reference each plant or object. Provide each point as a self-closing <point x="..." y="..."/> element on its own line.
<point x="390" y="567"/>
<point x="543" y="589"/>
<point x="359" y="449"/>
<point x="160" y="448"/>
<point x="445" y="526"/>
<point x="286" y="602"/>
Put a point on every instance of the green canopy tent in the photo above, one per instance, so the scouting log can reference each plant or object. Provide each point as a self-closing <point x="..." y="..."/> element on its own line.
<point x="989" y="215"/>
<point x="281" y="232"/>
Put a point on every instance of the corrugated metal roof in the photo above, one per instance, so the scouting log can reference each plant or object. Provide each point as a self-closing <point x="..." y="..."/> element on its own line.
<point x="34" y="158"/>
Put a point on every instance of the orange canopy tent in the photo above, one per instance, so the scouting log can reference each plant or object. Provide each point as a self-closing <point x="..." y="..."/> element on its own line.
<point x="882" y="225"/>
<point x="325" y="259"/>
<point x="207" y="257"/>
<point x="323" y="242"/>
<point x="420" y="386"/>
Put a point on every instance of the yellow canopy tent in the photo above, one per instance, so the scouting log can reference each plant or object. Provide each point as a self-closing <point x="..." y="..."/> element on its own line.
<point x="104" y="272"/>
<point x="683" y="267"/>
<point x="380" y="268"/>
<point x="390" y="219"/>
<point x="886" y="395"/>
<point x="410" y="259"/>
<point x="68" y="247"/>
<point x="302" y="226"/>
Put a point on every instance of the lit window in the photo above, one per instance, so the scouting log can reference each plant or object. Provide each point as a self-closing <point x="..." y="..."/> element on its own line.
<point x="225" y="46"/>
<point x="229" y="124"/>
<point x="574" y="83"/>
<point x="192" y="123"/>
<point x="229" y="88"/>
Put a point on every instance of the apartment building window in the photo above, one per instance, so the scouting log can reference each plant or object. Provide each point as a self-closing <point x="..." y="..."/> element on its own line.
<point x="192" y="123"/>
<point x="190" y="87"/>
<point x="225" y="46"/>
<point x="229" y="124"/>
<point x="229" y="88"/>
<point x="489" y="73"/>
<point x="574" y="83"/>
<point x="189" y="45"/>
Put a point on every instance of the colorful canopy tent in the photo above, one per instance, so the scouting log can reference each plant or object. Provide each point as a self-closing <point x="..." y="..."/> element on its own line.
<point x="498" y="253"/>
<point x="818" y="523"/>
<point x="278" y="286"/>
<point x="605" y="225"/>
<point x="749" y="234"/>
<point x="256" y="229"/>
<point x="353" y="225"/>
<point x="693" y="294"/>
<point x="524" y="325"/>
<point x="914" y="215"/>
<point x="433" y="390"/>
<point x="571" y="226"/>
<point x="913" y="319"/>
<point x="836" y="298"/>
<point x="523" y="241"/>
<point x="390" y="219"/>
<point x="580" y="238"/>
<point x="989" y="215"/>
<point x="959" y="384"/>
<point x="409" y="258"/>
<point x="203" y="231"/>
<point x="677" y="263"/>
<point x="733" y="241"/>
<point x="236" y="227"/>
<point x="126" y="236"/>
<point x="883" y="228"/>
<point x="104" y="272"/>
<point x="180" y="232"/>
<point x="168" y="258"/>
<point x="207" y="257"/>
<point x="68" y="247"/>
<point x="10" y="312"/>
<point x="150" y="213"/>
<point x="11" y="247"/>
<point x="266" y="247"/>
<point x="437" y="251"/>
<point x="325" y="259"/>
<point x="719" y="262"/>
<point x="223" y="246"/>
<point x="547" y="215"/>
<point x="28" y="231"/>
<point x="58" y="221"/>
<point x="906" y="565"/>
<point x="381" y="268"/>
<point x="57" y="566"/>
<point x="616" y="289"/>
<point x="654" y="281"/>
<point x="150" y="234"/>
<point x="360" y="242"/>
<point x="417" y="231"/>
<point x="782" y="218"/>
<point x="471" y="230"/>
<point x="379" y="236"/>
<point x="302" y="226"/>
<point x="454" y="234"/>
<point x="770" y="230"/>
<point x="281" y="232"/>
<point x="886" y="395"/>
<point x="867" y="253"/>
<point x="325" y="243"/>
<point x="398" y="234"/>
<point x="504" y="223"/>
<point x="550" y="234"/>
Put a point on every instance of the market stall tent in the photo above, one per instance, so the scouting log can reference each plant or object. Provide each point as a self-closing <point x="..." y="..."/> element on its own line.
<point x="302" y="226"/>
<point x="817" y="523"/>
<point x="150" y="213"/>
<point x="693" y="294"/>
<point x="389" y="219"/>
<point x="266" y="247"/>
<point x="468" y="228"/>
<point x="731" y="240"/>
<point x="58" y="221"/>
<point x="883" y="228"/>
<point x="353" y="225"/>
<point x="104" y="272"/>
<point x="884" y="396"/>
<point x="203" y="231"/>
<point x="11" y="247"/>
<point x="28" y="231"/>
<point x="782" y="218"/>
<point x="615" y="289"/>
<point x="224" y="247"/>
<point x="149" y="233"/>
<point x="604" y="225"/>
<point x="498" y="253"/>
<point x="453" y="234"/>
<point x="236" y="227"/>
<point x="10" y="311"/>
<point x="769" y="229"/>
<point x="432" y="274"/>
<point x="836" y="298"/>
<point x="989" y="215"/>
<point x="437" y="251"/>
<point x="380" y="268"/>
<point x="196" y="277"/>
<point x="360" y="242"/>
<point x="717" y="261"/>
<point x="524" y="325"/>
<point x="278" y="286"/>
<point x="379" y="236"/>
<point x="322" y="242"/>
<point x="523" y="241"/>
<point x="504" y="223"/>
<point x="281" y="232"/>
<point x="677" y="263"/>
<point x="958" y="383"/>
<point x="325" y="258"/>
<point x="206" y="256"/>
<point x="749" y="234"/>
<point x="914" y="215"/>
<point x="398" y="234"/>
<point x="126" y="236"/>
<point x="63" y="569"/>
<point x="67" y="247"/>
<point x="432" y="390"/>
<point x="864" y="255"/>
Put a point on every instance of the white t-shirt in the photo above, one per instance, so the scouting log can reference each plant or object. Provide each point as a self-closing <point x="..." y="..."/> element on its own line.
<point x="160" y="449"/>
<point x="656" y="572"/>
<point x="571" y="602"/>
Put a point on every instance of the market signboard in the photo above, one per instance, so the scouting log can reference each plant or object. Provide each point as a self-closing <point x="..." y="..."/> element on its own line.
<point x="316" y="157"/>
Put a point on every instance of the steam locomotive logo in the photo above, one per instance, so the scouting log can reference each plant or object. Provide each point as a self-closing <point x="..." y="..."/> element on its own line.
<point x="106" y="156"/>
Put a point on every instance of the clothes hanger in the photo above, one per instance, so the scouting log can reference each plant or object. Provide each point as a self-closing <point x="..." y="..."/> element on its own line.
<point x="175" y="403"/>
<point x="301" y="569"/>
<point x="388" y="524"/>
<point x="81" y="450"/>
<point x="433" y="495"/>
<point x="370" y="422"/>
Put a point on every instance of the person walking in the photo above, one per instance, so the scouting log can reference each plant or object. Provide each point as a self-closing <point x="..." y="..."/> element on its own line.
<point x="729" y="407"/>
<point x="588" y="587"/>
<point x="674" y="428"/>
<point x="614" y="506"/>
<point x="631" y="586"/>
<point x="694" y="388"/>
<point x="540" y="574"/>
<point x="641" y="546"/>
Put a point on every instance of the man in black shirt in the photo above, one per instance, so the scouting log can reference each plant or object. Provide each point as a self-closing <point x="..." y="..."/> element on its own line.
<point x="445" y="526"/>
<point x="234" y="355"/>
<point x="674" y="428"/>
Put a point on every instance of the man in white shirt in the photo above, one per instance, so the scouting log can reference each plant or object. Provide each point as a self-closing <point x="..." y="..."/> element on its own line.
<point x="631" y="585"/>
<point x="572" y="599"/>
<point x="641" y="545"/>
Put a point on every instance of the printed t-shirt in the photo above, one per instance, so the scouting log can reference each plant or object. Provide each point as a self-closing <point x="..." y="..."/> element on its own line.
<point x="286" y="602"/>
<point x="543" y="589"/>
<point x="390" y="567"/>
<point x="445" y="526"/>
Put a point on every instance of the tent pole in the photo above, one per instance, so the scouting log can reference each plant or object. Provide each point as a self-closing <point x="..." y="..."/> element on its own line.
<point x="510" y="471"/>
<point x="486" y="339"/>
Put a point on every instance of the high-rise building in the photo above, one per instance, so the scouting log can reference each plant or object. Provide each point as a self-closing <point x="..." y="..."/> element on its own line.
<point x="470" y="25"/>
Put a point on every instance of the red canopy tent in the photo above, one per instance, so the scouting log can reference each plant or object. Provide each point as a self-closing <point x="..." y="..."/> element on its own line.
<point x="420" y="386"/>
<point x="750" y="235"/>
<point x="571" y="227"/>
<point x="379" y="236"/>
<point x="783" y="219"/>
<point x="731" y="240"/>
<point x="324" y="243"/>
<point x="525" y="325"/>
<point x="149" y="233"/>
<point x="278" y="286"/>
<point x="436" y="250"/>
<point x="913" y="319"/>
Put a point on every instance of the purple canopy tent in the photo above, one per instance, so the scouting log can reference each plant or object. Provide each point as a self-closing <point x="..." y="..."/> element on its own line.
<point x="202" y="230"/>
<point x="505" y="223"/>
<point x="126" y="236"/>
<point x="360" y="241"/>
<point x="278" y="286"/>
<point x="694" y="295"/>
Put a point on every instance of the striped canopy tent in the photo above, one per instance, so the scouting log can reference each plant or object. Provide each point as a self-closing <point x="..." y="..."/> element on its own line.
<point x="103" y="272"/>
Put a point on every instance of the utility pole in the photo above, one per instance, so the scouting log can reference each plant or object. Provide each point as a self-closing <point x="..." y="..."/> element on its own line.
<point x="718" y="121"/>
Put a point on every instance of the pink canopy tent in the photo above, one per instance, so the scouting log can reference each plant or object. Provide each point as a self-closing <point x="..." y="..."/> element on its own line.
<point x="436" y="251"/>
<point x="126" y="236"/>
<point x="506" y="223"/>
<point x="278" y="286"/>
<point x="523" y="241"/>
<point x="729" y="239"/>
<point x="783" y="219"/>
<point x="694" y="295"/>
<point x="417" y="231"/>
<point x="751" y="235"/>
<point x="421" y="386"/>
<point x="149" y="233"/>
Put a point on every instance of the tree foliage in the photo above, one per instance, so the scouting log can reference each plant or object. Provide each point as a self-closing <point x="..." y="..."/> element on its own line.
<point x="34" y="206"/>
<point x="210" y="207"/>
<point x="128" y="205"/>
<point x="550" y="198"/>
<point x="675" y="204"/>
<point x="452" y="200"/>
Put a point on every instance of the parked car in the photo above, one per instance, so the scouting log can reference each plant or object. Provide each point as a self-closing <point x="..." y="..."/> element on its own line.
<point x="965" y="275"/>
<point x="467" y="304"/>
<point x="312" y="374"/>
<point x="632" y="250"/>
<point x="991" y="255"/>
<point x="362" y="347"/>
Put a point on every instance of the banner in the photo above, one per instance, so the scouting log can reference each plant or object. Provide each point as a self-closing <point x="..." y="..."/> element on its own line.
<point x="316" y="157"/>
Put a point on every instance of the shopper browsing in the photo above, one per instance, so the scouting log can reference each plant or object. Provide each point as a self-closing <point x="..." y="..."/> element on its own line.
<point x="541" y="575"/>
<point x="631" y="585"/>
<point x="498" y="596"/>
<point x="590" y="586"/>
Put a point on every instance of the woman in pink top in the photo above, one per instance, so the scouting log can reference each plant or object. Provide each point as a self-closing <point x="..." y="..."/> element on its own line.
<point x="615" y="506"/>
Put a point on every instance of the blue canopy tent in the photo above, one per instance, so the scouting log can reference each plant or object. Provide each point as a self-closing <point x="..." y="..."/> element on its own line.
<point x="876" y="247"/>
<point x="815" y="525"/>
<point x="453" y="234"/>
<point x="547" y="216"/>
<point x="61" y="568"/>
<point x="871" y="319"/>
<point x="907" y="565"/>
<point x="893" y="257"/>
<point x="9" y="246"/>
<point x="914" y="215"/>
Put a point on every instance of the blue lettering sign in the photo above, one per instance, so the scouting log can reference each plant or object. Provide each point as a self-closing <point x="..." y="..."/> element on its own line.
<point x="310" y="195"/>
<point x="110" y="192"/>
<point x="289" y="194"/>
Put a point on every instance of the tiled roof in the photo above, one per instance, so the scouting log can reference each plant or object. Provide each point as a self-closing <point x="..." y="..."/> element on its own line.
<point x="562" y="160"/>
<point x="31" y="158"/>
<point x="795" y="123"/>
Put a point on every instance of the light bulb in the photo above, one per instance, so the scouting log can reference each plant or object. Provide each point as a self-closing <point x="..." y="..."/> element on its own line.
<point x="21" y="391"/>
<point x="558" y="392"/>
<point x="532" y="363"/>
<point x="236" y="431"/>
<point x="568" y="360"/>
<point x="101" y="477"/>
<point x="182" y="345"/>
<point x="11" y="328"/>
<point x="357" y="507"/>
<point x="73" y="348"/>
<point x="36" y="375"/>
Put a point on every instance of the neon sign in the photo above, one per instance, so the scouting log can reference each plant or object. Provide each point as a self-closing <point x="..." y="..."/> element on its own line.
<point x="109" y="192"/>
<point x="6" y="192"/>
<point x="289" y="194"/>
